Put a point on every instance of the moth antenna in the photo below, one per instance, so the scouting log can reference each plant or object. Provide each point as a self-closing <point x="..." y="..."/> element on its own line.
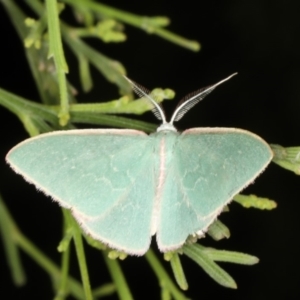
<point x="192" y="99"/>
<point x="145" y="93"/>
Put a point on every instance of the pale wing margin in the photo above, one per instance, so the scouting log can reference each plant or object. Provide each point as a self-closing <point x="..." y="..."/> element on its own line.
<point x="211" y="165"/>
<point x="88" y="171"/>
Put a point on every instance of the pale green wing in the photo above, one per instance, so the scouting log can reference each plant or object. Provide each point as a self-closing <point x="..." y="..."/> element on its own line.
<point x="103" y="176"/>
<point x="209" y="167"/>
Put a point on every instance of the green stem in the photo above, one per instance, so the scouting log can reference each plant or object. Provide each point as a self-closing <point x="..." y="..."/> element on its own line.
<point x="9" y="233"/>
<point x="56" y="50"/>
<point x="106" y="289"/>
<point x="41" y="259"/>
<point x="113" y="121"/>
<point x="20" y="105"/>
<point x="80" y="257"/>
<point x="62" y="292"/>
<point x="118" y="278"/>
<point x="65" y="264"/>
<point x="162" y="275"/>
<point x="141" y="22"/>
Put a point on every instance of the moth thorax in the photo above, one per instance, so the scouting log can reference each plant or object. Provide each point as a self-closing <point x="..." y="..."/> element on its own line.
<point x="166" y="126"/>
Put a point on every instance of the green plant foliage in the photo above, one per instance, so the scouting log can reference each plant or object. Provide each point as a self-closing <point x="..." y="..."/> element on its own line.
<point x="287" y="158"/>
<point x="43" y="38"/>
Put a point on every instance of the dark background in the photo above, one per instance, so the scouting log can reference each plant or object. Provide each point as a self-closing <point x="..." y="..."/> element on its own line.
<point x="259" y="39"/>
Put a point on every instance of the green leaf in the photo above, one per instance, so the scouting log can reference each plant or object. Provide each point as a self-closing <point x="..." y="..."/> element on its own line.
<point x="248" y="201"/>
<point x="167" y="286"/>
<point x="34" y="38"/>
<point x="178" y="271"/>
<point x="218" y="231"/>
<point x="287" y="158"/>
<point x="230" y="256"/>
<point x="85" y="73"/>
<point x="114" y="254"/>
<point x="107" y="30"/>
<point x="68" y="235"/>
<point x="197" y="253"/>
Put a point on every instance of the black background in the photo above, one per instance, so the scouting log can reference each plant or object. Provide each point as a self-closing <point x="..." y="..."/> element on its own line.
<point x="259" y="39"/>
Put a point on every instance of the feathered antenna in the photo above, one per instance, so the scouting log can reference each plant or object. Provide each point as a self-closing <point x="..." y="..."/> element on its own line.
<point x="145" y="93"/>
<point x="192" y="99"/>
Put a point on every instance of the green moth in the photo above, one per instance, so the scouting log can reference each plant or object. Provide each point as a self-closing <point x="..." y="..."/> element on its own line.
<point x="124" y="186"/>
